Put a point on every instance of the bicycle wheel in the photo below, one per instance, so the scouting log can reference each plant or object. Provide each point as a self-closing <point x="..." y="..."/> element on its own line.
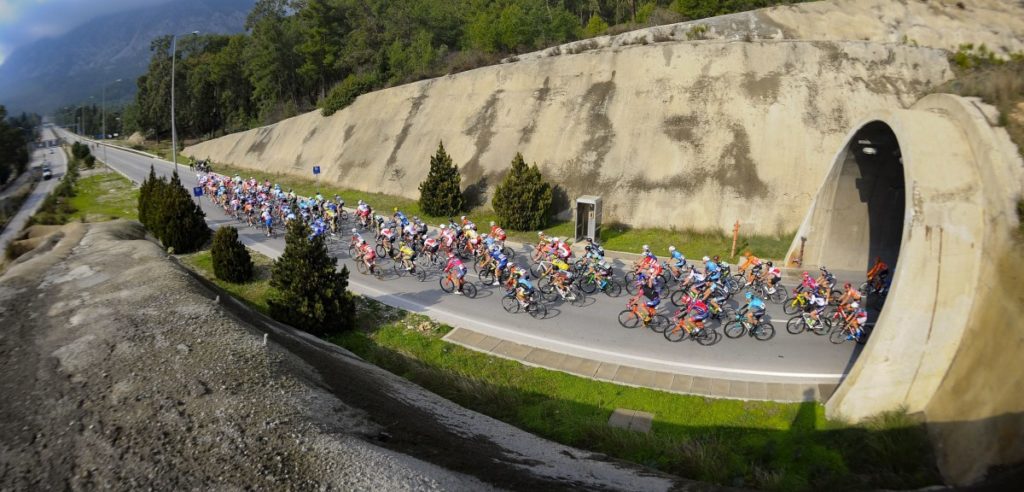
<point x="658" y="324"/>
<point x="510" y="304"/>
<point x="576" y="296"/>
<point x="676" y="334"/>
<point x="446" y="284"/>
<point x="352" y="251"/>
<point x="837" y="335"/>
<point x="421" y="273"/>
<point x="735" y="329"/>
<point x="707" y="337"/>
<point x="549" y="293"/>
<point x="677" y="298"/>
<point x="628" y="319"/>
<point x="468" y="289"/>
<point x="764" y="331"/>
<point x="632" y="287"/>
<point x="486" y="277"/>
<point x="822" y="327"/>
<point x="796" y="325"/>
<point x="588" y="284"/>
<point x="509" y="252"/>
<point x="537" y="309"/>
<point x="629" y="278"/>
<point x="791" y="306"/>
<point x="778" y="296"/>
<point x="613" y="289"/>
<point x="362" y="268"/>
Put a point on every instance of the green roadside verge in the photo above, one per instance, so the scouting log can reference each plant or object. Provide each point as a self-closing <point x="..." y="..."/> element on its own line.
<point x="103" y="194"/>
<point x="767" y="445"/>
<point x="614" y="237"/>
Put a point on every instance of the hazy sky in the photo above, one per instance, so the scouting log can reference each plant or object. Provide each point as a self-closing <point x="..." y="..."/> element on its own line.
<point x="24" y="21"/>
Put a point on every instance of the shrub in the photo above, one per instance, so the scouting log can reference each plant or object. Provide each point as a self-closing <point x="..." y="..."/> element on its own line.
<point x="149" y="195"/>
<point x="441" y="193"/>
<point x="310" y="293"/>
<point x="595" y="27"/>
<point x="346" y="92"/>
<point x="231" y="261"/>
<point x="523" y="199"/>
<point x="179" y="222"/>
<point x="89" y="161"/>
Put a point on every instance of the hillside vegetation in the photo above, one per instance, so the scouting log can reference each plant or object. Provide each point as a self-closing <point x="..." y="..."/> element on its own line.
<point x="298" y="55"/>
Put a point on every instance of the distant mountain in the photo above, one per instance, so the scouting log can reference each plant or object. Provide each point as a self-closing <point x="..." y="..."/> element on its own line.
<point x="49" y="73"/>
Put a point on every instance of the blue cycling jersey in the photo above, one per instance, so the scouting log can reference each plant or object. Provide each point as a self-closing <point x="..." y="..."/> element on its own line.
<point x="680" y="259"/>
<point x="756" y="304"/>
<point x="525" y="282"/>
<point x="502" y="261"/>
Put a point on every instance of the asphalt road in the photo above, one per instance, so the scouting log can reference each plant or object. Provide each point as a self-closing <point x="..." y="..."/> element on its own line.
<point x="591" y="331"/>
<point x="57" y="161"/>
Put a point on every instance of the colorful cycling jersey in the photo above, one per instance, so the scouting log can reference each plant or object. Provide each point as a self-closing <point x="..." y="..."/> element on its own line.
<point x="430" y="243"/>
<point x="388" y="233"/>
<point x="699" y="311"/>
<point x="696" y="277"/>
<point x="679" y="259"/>
<point x="454" y="263"/>
<point x="502" y="261"/>
<point x="498" y="233"/>
<point x="401" y="217"/>
<point x="406" y="251"/>
<point x="861" y="316"/>
<point x="563" y="250"/>
<point x="525" y="282"/>
<point x="775" y="272"/>
<point x="559" y="264"/>
<point x="756" y="304"/>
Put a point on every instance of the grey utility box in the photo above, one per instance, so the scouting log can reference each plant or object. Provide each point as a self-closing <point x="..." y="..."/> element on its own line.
<point x="588" y="217"/>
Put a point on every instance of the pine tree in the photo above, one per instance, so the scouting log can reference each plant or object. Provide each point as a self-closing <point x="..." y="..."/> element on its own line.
<point x="181" y="223"/>
<point x="231" y="261"/>
<point x="441" y="193"/>
<point x="523" y="199"/>
<point x="147" y="200"/>
<point x="310" y="293"/>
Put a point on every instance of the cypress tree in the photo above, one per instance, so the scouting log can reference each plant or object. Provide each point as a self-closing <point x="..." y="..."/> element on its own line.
<point x="146" y="193"/>
<point x="231" y="261"/>
<point x="310" y="294"/>
<point x="180" y="222"/>
<point x="441" y="193"/>
<point x="523" y="199"/>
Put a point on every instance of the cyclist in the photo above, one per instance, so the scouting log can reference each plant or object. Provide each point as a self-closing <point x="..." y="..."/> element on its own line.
<point x="498" y="233"/>
<point x="855" y="321"/>
<point x="714" y="295"/>
<point x="400" y="217"/>
<point x="502" y="264"/>
<point x="562" y="249"/>
<point x="595" y="248"/>
<point x="368" y="256"/>
<point x="698" y="313"/>
<point x="712" y="271"/>
<point x="807" y="283"/>
<point x="752" y="263"/>
<point x="878" y="273"/>
<point x="771" y="276"/>
<point x="408" y="256"/>
<point x="678" y="263"/>
<point x="456" y="268"/>
<point x="268" y="222"/>
<point x="652" y="292"/>
<point x="430" y="247"/>
<point x="850" y="295"/>
<point x="826" y="280"/>
<point x="386" y="235"/>
<point x="754" y="309"/>
<point x="523" y="286"/>
<point x="815" y="306"/>
<point x="693" y="279"/>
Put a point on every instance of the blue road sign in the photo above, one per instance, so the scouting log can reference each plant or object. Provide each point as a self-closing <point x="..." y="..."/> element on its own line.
<point x="316" y="169"/>
<point x="197" y="191"/>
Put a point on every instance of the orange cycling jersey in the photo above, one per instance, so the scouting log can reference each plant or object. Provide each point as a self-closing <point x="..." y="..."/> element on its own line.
<point x="878" y="268"/>
<point x="750" y="262"/>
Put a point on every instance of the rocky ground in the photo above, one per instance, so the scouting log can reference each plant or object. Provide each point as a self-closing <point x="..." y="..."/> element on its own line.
<point x="120" y="370"/>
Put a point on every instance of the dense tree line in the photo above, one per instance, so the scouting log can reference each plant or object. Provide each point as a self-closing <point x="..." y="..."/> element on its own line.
<point x="298" y="54"/>
<point x="15" y="135"/>
<point x="89" y="118"/>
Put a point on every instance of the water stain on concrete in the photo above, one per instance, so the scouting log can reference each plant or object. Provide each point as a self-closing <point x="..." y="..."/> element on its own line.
<point x="540" y="97"/>
<point x="682" y="128"/>
<point x="481" y="126"/>
<point x="667" y="52"/>
<point x="349" y="129"/>
<point x="741" y="175"/>
<point x="601" y="133"/>
<point x="310" y="135"/>
<point x="762" y="89"/>
<point x="414" y="109"/>
<point x="262" y="140"/>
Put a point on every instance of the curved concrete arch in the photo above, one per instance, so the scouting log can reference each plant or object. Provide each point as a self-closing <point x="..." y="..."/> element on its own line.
<point x="962" y="181"/>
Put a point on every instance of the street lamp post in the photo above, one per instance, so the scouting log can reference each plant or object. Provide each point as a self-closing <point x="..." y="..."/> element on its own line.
<point x="104" y="118"/>
<point x="174" y="130"/>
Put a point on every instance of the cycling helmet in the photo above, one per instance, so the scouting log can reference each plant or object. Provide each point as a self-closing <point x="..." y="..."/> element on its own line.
<point x="715" y="258"/>
<point x="805" y="275"/>
<point x="396" y="209"/>
<point x="540" y="233"/>
<point x="492" y="223"/>
<point x="442" y="226"/>
<point x="587" y="248"/>
<point x="451" y="254"/>
<point x="647" y="248"/>
<point x="705" y="259"/>
<point x="555" y="239"/>
<point x="823" y="269"/>
<point x="354" y="231"/>
<point x="855" y="305"/>
<point x="749" y="296"/>
<point x="463" y="217"/>
<point x="770" y="264"/>
<point x="671" y="249"/>
<point x="847" y="285"/>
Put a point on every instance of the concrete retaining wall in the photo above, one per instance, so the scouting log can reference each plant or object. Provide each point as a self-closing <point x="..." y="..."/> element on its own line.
<point x="679" y="134"/>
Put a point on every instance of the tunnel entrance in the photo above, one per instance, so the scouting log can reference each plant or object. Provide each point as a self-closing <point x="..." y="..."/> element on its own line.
<point x="867" y="209"/>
